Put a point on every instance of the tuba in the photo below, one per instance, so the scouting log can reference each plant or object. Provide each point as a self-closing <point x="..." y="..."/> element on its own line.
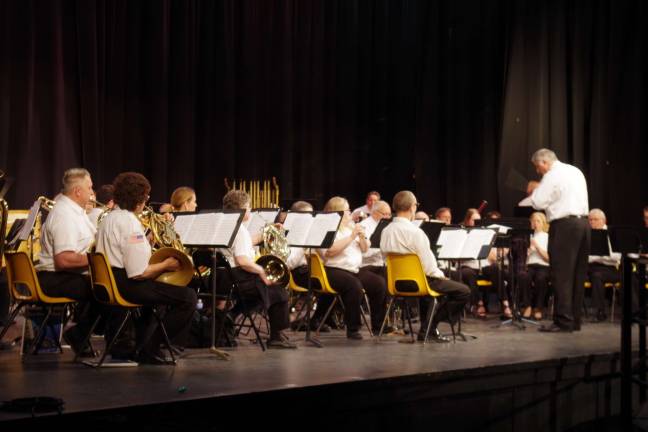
<point x="166" y="243"/>
<point x="274" y="253"/>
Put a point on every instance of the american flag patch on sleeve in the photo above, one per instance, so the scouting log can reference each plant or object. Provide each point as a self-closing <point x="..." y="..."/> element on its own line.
<point x="136" y="238"/>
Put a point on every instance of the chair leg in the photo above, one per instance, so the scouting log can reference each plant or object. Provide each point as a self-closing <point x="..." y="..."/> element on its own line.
<point x="40" y="334"/>
<point x="112" y="341"/>
<point x="407" y="310"/>
<point x="430" y="319"/>
<point x="167" y="342"/>
<point x="328" y="312"/>
<point x="614" y="289"/>
<point x="382" y="327"/>
<point x="86" y="339"/>
<point x="366" y="299"/>
<point x="11" y="319"/>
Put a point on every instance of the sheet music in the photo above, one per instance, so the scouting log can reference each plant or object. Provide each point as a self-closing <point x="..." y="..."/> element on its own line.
<point x="475" y="241"/>
<point x="29" y="223"/>
<point x="322" y="225"/>
<point x="298" y="225"/>
<point x="502" y="229"/>
<point x="451" y="242"/>
<point x="226" y="228"/>
<point x="418" y="222"/>
<point x="206" y="228"/>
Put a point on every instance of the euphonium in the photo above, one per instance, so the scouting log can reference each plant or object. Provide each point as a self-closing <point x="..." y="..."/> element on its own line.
<point x="166" y="243"/>
<point x="274" y="253"/>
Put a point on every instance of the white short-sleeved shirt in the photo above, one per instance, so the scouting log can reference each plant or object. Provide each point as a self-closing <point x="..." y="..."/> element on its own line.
<point x="373" y="256"/>
<point x="242" y="246"/>
<point x="542" y="238"/>
<point x="67" y="228"/>
<point x="350" y="258"/>
<point x="297" y="258"/>
<point x="121" y="238"/>
<point x="402" y="237"/>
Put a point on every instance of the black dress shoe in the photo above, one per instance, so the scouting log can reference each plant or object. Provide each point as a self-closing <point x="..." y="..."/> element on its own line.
<point x="281" y="344"/>
<point x="601" y="316"/>
<point x="153" y="358"/>
<point x="554" y="328"/>
<point x="355" y="335"/>
<point x="74" y="338"/>
<point x="434" y="336"/>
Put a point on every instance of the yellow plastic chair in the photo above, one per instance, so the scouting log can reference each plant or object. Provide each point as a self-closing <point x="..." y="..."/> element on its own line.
<point x="106" y="291"/>
<point x="322" y="286"/>
<point x="406" y="279"/>
<point x="26" y="290"/>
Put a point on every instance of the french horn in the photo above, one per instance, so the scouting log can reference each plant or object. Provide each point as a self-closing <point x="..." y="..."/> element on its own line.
<point x="274" y="253"/>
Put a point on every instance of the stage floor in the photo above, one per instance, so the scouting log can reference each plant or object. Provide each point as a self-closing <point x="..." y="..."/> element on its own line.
<point x="251" y="371"/>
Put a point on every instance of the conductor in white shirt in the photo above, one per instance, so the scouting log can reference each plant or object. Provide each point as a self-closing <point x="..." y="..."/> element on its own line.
<point x="562" y="194"/>
<point x="403" y="237"/>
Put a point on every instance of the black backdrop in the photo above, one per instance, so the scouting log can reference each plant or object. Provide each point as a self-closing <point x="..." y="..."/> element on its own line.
<point x="447" y="98"/>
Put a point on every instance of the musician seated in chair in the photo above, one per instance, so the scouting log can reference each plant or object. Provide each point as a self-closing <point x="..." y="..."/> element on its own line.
<point x="121" y="238"/>
<point x="402" y="237"/>
<point x="472" y="270"/>
<point x="534" y="281"/>
<point x="343" y="262"/>
<point x="251" y="279"/>
<point x="66" y="236"/>
<point x="443" y="214"/>
<point x="601" y="269"/>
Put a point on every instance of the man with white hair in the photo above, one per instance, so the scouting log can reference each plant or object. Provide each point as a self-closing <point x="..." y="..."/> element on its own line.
<point x="562" y="194"/>
<point x="66" y="237"/>
<point x="372" y="260"/>
<point x="601" y="269"/>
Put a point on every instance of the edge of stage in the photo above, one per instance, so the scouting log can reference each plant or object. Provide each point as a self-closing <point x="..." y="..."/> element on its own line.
<point x="506" y="379"/>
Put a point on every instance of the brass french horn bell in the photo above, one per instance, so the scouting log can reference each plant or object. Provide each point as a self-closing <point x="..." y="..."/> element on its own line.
<point x="181" y="277"/>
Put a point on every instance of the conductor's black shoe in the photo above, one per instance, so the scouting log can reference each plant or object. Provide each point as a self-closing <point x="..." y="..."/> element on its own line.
<point x="153" y="358"/>
<point x="554" y="328"/>
<point x="355" y="335"/>
<point x="434" y="336"/>
<point x="386" y="330"/>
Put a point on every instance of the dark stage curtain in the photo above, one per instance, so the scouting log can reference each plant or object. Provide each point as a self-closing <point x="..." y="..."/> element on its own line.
<point x="446" y="98"/>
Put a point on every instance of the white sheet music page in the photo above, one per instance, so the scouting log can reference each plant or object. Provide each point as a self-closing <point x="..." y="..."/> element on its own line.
<point x="203" y="229"/>
<point x="451" y="242"/>
<point x="29" y="223"/>
<point x="502" y="229"/>
<point x="182" y="225"/>
<point x="322" y="225"/>
<point x="298" y="225"/>
<point x="226" y="228"/>
<point x="476" y="240"/>
<point x="256" y="223"/>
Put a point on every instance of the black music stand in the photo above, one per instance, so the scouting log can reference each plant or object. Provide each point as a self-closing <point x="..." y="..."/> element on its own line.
<point x="210" y="229"/>
<point x="519" y="232"/>
<point x="465" y="244"/>
<point x="306" y="230"/>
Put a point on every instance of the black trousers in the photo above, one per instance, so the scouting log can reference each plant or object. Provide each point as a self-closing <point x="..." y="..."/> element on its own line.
<point x="350" y="286"/>
<point x="533" y="285"/>
<point x="457" y="295"/>
<point x="569" y="240"/>
<point x="180" y="302"/>
<point x="469" y="276"/>
<point x="252" y="292"/>
<point x="75" y="286"/>
<point x="599" y="275"/>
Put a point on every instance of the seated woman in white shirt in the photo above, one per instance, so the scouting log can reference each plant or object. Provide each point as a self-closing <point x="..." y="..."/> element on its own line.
<point x="342" y="261"/>
<point x="251" y="279"/>
<point x="487" y="268"/>
<point x="121" y="238"/>
<point x="534" y="282"/>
